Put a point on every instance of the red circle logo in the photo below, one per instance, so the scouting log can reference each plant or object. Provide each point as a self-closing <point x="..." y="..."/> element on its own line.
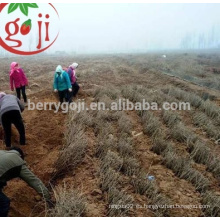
<point x="28" y="28"/>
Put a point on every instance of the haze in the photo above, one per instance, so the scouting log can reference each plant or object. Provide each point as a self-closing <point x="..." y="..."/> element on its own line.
<point x="137" y="27"/>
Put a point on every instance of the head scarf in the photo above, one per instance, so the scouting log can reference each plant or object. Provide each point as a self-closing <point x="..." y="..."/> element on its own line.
<point x="14" y="66"/>
<point x="74" y="66"/>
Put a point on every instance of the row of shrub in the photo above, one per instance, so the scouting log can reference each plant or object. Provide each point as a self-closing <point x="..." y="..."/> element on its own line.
<point x="182" y="166"/>
<point x="198" y="149"/>
<point x="118" y="155"/>
<point x="208" y="107"/>
<point x="69" y="201"/>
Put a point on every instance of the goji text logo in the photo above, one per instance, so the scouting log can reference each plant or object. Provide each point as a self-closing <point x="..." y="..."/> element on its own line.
<point x="28" y="28"/>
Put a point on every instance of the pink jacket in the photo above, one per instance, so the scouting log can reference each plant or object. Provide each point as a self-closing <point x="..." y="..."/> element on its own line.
<point x="72" y="75"/>
<point x="18" y="79"/>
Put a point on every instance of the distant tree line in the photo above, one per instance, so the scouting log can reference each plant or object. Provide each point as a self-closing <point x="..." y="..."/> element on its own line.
<point x="210" y="39"/>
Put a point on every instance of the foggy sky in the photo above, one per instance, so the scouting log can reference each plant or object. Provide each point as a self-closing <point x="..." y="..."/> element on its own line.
<point x="121" y="27"/>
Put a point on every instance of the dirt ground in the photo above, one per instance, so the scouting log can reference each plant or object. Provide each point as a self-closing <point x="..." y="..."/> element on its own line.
<point x="45" y="132"/>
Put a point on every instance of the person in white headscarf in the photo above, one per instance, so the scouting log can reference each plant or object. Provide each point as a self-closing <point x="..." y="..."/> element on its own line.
<point x="72" y="74"/>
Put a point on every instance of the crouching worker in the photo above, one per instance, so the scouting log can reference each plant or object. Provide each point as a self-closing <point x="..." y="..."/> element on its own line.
<point x="73" y="78"/>
<point x="10" y="113"/>
<point x="12" y="165"/>
<point x="62" y="84"/>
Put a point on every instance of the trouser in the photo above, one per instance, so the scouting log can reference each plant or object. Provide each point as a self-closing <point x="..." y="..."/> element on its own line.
<point x="75" y="90"/>
<point x="4" y="204"/>
<point x="9" y="118"/>
<point x="21" y="90"/>
<point x="63" y="95"/>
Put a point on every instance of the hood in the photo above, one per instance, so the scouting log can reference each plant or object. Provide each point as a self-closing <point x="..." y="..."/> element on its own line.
<point x="59" y="69"/>
<point x="13" y="67"/>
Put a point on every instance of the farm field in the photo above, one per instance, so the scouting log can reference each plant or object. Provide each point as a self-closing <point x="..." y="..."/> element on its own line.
<point x="97" y="163"/>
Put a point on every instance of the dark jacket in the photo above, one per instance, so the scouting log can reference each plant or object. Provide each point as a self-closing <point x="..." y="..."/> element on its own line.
<point x="10" y="103"/>
<point x="13" y="166"/>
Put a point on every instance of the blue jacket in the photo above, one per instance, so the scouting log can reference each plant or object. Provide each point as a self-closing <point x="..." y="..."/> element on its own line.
<point x="61" y="80"/>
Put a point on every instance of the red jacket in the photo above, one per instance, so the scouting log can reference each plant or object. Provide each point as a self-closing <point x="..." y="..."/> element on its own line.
<point x="18" y="79"/>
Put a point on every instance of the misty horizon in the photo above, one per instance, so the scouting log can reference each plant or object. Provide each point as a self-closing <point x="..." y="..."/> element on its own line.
<point x="137" y="27"/>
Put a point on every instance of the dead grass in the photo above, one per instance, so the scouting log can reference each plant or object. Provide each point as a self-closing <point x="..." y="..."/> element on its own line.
<point x="182" y="134"/>
<point x="208" y="107"/>
<point x="214" y="166"/>
<point x="103" y="129"/>
<point x="131" y="166"/>
<point x="75" y="143"/>
<point x="192" y="98"/>
<point x="109" y="91"/>
<point x="69" y="203"/>
<point x="198" y="180"/>
<point x="120" y="203"/>
<point x="202" y="120"/>
<point x="112" y="160"/>
<point x="211" y="110"/>
<point x="143" y="186"/>
<point x="182" y="168"/>
<point x="83" y="118"/>
<point x="174" y="162"/>
<point x="149" y="188"/>
<point x="211" y="200"/>
<point x="151" y="124"/>
<point x="106" y="102"/>
<point x="109" y="179"/>
<point x="201" y="153"/>
<point x="130" y="93"/>
<point x="160" y="145"/>
<point x="125" y="146"/>
<point x="105" y="115"/>
<point x="72" y="154"/>
<point x="162" y="202"/>
<point x="124" y="124"/>
<point x="170" y="118"/>
<point x="105" y="143"/>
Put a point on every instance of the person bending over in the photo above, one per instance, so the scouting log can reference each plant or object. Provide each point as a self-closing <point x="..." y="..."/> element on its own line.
<point x="12" y="165"/>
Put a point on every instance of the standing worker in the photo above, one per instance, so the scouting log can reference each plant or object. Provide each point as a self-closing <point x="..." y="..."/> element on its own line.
<point x="62" y="84"/>
<point x="12" y="165"/>
<point x="10" y="113"/>
<point x="72" y="74"/>
<point x="18" y="80"/>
